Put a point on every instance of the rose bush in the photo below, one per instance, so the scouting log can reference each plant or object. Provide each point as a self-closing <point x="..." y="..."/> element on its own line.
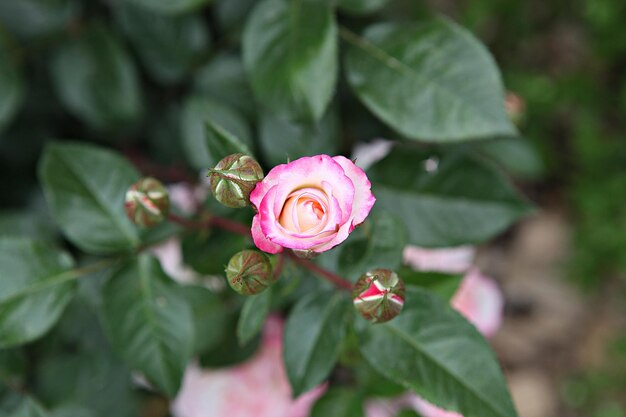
<point x="310" y="204"/>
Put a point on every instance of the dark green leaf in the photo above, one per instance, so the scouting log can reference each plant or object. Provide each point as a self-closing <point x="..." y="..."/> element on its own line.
<point x="35" y="286"/>
<point x="85" y="187"/>
<point x="209" y="317"/>
<point x="253" y="315"/>
<point x="96" y="80"/>
<point x="283" y="140"/>
<point x="29" y="408"/>
<point x="290" y="53"/>
<point x="168" y="46"/>
<point x="434" y="351"/>
<point x="11" y="84"/>
<point x="224" y="79"/>
<point x="149" y="322"/>
<point x="170" y="6"/>
<point x="415" y="77"/>
<point x="516" y="155"/>
<point x="199" y="110"/>
<point x="36" y="17"/>
<point x="313" y="335"/>
<point x="232" y="14"/>
<point x="448" y="200"/>
<point x="339" y="402"/>
<point x="361" y="6"/>
<point x="378" y="243"/>
<point x="222" y="143"/>
<point x="210" y="254"/>
<point x="444" y="285"/>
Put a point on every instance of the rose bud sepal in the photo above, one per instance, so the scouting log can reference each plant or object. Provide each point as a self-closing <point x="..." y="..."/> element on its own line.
<point x="233" y="179"/>
<point x="249" y="272"/>
<point x="147" y="202"/>
<point x="378" y="295"/>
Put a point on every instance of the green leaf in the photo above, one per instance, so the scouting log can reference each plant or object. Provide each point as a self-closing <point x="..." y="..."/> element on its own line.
<point x="253" y="315"/>
<point x="430" y="81"/>
<point x="209" y="317"/>
<point x="460" y="201"/>
<point x="168" y="46"/>
<point x="378" y="243"/>
<point x="434" y="351"/>
<point x="444" y="285"/>
<point x="36" y="284"/>
<point x="11" y="83"/>
<point x="29" y="408"/>
<point x="313" y="335"/>
<point x="96" y="80"/>
<point x="283" y="140"/>
<point x="197" y="111"/>
<point x="222" y="143"/>
<point x="224" y="79"/>
<point x="290" y="53"/>
<point x="339" y="402"/>
<point x="85" y="187"/>
<point x="36" y="17"/>
<point x="149" y="322"/>
<point x="361" y="6"/>
<point x="515" y="155"/>
<point x="171" y="6"/>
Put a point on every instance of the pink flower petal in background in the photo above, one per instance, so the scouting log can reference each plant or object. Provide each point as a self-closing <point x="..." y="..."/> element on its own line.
<point x="480" y="301"/>
<point x="449" y="260"/>
<point x="367" y="154"/>
<point x="255" y="388"/>
<point x="426" y="409"/>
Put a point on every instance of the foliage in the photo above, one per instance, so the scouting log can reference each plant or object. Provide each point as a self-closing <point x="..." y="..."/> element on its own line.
<point x="95" y="94"/>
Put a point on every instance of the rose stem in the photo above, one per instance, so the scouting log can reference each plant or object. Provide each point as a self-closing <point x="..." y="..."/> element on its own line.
<point x="242" y="229"/>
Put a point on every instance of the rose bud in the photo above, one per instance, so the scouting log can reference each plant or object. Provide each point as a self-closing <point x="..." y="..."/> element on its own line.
<point x="310" y="205"/>
<point x="147" y="202"/>
<point x="379" y="295"/>
<point x="249" y="272"/>
<point x="233" y="178"/>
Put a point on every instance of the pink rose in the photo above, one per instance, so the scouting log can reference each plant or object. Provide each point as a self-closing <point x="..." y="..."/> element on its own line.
<point x="312" y="203"/>
<point x="255" y="388"/>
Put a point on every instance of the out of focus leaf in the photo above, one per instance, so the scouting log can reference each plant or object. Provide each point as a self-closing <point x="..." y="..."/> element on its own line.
<point x="253" y="314"/>
<point x="35" y="286"/>
<point x="197" y="111"/>
<point x="222" y="143"/>
<point x="444" y="285"/>
<point x="232" y="14"/>
<point x="29" y="408"/>
<point x="85" y="187"/>
<point x="339" y="402"/>
<point x="361" y="6"/>
<point x="430" y="344"/>
<point x="415" y="78"/>
<point x="445" y="200"/>
<point x="168" y="46"/>
<point x="516" y="155"/>
<point x="313" y="334"/>
<point x="149" y="322"/>
<point x="96" y="79"/>
<point x="171" y="6"/>
<point x="290" y="54"/>
<point x="36" y="17"/>
<point x="209" y="317"/>
<point x="283" y="140"/>
<point x="224" y="79"/>
<point x="11" y="83"/>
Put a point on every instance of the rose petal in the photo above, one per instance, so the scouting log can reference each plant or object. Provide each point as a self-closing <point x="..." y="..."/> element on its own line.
<point x="363" y="198"/>
<point x="260" y="240"/>
<point x="448" y="260"/>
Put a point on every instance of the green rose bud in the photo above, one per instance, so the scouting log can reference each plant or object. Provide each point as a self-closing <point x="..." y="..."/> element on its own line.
<point x="147" y="202"/>
<point x="233" y="179"/>
<point x="249" y="272"/>
<point x="379" y="295"/>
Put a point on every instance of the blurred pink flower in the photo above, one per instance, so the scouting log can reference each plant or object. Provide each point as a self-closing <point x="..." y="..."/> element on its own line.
<point x="480" y="301"/>
<point x="367" y="154"/>
<point x="255" y="388"/>
<point x="449" y="260"/>
<point x="186" y="197"/>
<point x="426" y="409"/>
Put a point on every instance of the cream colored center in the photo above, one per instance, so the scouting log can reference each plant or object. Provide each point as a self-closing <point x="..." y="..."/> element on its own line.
<point x="302" y="212"/>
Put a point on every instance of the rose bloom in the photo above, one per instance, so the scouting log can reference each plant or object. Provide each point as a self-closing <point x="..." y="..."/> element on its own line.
<point x="256" y="388"/>
<point x="310" y="204"/>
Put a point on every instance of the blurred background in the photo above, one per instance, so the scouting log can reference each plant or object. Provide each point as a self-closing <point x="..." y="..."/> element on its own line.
<point x="562" y="271"/>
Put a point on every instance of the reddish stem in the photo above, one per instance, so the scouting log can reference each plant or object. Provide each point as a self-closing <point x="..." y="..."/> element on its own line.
<point x="242" y="229"/>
